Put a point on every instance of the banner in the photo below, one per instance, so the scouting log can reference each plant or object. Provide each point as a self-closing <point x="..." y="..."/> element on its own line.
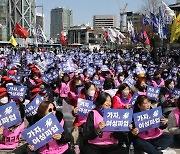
<point x="153" y="92"/>
<point x="84" y="106"/>
<point x="42" y="131"/>
<point x="148" y="119"/>
<point x="31" y="108"/>
<point x="117" y="119"/>
<point x="98" y="83"/>
<point x="16" y="91"/>
<point x="9" y="115"/>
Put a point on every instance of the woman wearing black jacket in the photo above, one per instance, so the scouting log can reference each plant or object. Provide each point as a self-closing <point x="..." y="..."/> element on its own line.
<point x="99" y="142"/>
<point x="60" y="141"/>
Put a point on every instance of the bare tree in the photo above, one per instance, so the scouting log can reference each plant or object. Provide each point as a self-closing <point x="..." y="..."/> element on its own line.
<point x="150" y="6"/>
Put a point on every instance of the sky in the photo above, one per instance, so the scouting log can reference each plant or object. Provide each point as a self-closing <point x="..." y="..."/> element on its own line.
<point x="84" y="10"/>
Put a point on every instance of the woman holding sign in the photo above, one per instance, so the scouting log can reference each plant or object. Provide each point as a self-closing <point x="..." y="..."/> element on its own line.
<point x="152" y="141"/>
<point x="59" y="144"/>
<point x="101" y="142"/>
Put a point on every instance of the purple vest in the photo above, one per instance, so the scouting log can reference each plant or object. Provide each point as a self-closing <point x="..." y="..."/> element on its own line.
<point x="106" y="138"/>
<point x="54" y="147"/>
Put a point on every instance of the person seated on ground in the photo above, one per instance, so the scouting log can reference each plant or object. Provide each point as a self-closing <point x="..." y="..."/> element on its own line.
<point x="174" y="122"/>
<point x="59" y="144"/>
<point x="122" y="98"/>
<point x="157" y="80"/>
<point x="153" y="141"/>
<point x="101" y="142"/>
<point x="166" y="97"/>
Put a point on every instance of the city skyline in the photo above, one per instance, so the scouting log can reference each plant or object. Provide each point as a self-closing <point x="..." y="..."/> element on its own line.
<point x="83" y="11"/>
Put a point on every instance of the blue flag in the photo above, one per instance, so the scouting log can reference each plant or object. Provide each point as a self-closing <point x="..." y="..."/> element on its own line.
<point x="154" y="22"/>
<point x="145" y="20"/>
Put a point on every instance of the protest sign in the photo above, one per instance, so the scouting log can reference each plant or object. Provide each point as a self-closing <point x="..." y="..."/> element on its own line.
<point x="153" y="92"/>
<point x="9" y="115"/>
<point x="84" y="106"/>
<point x="133" y="99"/>
<point x="16" y="91"/>
<point x="31" y="108"/>
<point x="98" y="83"/>
<point x="130" y="81"/>
<point x="176" y="93"/>
<point x="117" y="119"/>
<point x="16" y="78"/>
<point x="42" y="131"/>
<point x="148" y="119"/>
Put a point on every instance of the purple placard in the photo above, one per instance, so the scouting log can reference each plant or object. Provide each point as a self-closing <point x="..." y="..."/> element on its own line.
<point x="84" y="106"/>
<point x="16" y="91"/>
<point x="130" y="81"/>
<point x="133" y="99"/>
<point x="148" y="119"/>
<point x="31" y="108"/>
<point x="117" y="119"/>
<point x="9" y="115"/>
<point x="98" y="83"/>
<point x="42" y="131"/>
<point x="153" y="92"/>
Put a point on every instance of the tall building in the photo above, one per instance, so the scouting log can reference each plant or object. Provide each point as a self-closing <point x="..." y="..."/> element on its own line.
<point x="61" y="19"/>
<point x="106" y="21"/>
<point x="21" y="12"/>
<point x="136" y="19"/>
<point x="40" y="20"/>
<point x="3" y="20"/>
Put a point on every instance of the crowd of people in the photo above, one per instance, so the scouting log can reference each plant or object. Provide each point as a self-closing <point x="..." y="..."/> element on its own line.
<point x="77" y="80"/>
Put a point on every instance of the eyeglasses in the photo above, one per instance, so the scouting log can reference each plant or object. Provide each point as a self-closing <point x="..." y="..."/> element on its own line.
<point x="52" y="109"/>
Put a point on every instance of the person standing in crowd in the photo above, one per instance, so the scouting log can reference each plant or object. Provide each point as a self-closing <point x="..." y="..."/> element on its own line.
<point x="122" y="98"/>
<point x="153" y="141"/>
<point x="59" y="144"/>
<point x="99" y="142"/>
<point x="174" y="122"/>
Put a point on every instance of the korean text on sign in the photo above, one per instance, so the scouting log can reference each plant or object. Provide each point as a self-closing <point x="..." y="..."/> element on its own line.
<point x="84" y="106"/>
<point x="147" y="120"/>
<point x="9" y="115"/>
<point x="117" y="119"/>
<point x="153" y="92"/>
<point x="41" y="132"/>
<point x="16" y="91"/>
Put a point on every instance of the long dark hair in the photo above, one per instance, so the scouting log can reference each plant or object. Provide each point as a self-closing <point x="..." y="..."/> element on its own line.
<point x="122" y="87"/>
<point x="139" y="102"/>
<point x="86" y="87"/>
<point x="101" y="99"/>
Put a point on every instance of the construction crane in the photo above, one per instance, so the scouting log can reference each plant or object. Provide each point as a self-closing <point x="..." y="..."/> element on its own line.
<point x="122" y="13"/>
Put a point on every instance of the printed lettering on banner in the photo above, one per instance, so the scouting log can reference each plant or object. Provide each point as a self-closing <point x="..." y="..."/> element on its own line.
<point x="42" y="131"/>
<point x="84" y="107"/>
<point x="117" y="119"/>
<point x="153" y="92"/>
<point x="9" y="115"/>
<point x="149" y="119"/>
<point x="16" y="91"/>
<point x="133" y="99"/>
<point x="130" y="81"/>
<point x="31" y="108"/>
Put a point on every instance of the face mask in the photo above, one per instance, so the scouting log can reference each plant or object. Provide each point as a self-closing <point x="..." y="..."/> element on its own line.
<point x="121" y="78"/>
<point x="91" y="93"/>
<point x="4" y="100"/>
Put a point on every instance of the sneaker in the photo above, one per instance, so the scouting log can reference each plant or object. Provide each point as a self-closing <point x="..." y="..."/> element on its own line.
<point x="76" y="149"/>
<point x="124" y="145"/>
<point x="168" y="151"/>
